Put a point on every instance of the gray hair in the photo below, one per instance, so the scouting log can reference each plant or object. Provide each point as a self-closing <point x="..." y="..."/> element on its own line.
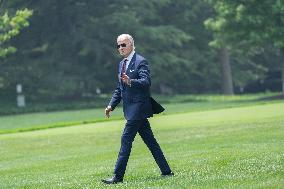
<point x="129" y="37"/>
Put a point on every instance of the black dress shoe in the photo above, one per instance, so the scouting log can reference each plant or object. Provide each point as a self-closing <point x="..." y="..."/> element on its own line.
<point x="170" y="174"/>
<point x="114" y="180"/>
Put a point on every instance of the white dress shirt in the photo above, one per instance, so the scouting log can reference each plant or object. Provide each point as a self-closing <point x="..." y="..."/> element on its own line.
<point x="130" y="56"/>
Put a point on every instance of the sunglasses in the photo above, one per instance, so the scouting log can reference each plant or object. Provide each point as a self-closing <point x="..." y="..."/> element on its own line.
<point x="121" y="45"/>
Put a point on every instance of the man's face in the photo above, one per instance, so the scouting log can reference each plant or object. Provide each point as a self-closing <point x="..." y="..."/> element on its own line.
<point x="124" y="47"/>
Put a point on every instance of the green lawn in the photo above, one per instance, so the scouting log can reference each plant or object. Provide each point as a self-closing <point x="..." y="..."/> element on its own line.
<point x="241" y="147"/>
<point x="173" y="104"/>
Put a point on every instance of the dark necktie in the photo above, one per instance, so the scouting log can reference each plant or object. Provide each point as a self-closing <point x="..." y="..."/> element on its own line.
<point x="123" y="69"/>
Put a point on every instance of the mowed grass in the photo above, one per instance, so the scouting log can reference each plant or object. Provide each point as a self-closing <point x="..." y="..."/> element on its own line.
<point x="239" y="147"/>
<point x="173" y="104"/>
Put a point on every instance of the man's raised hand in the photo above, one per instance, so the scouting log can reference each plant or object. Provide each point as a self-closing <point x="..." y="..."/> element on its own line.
<point x="126" y="79"/>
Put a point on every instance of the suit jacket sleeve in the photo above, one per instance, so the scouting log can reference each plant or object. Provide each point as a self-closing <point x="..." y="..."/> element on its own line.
<point x="143" y="80"/>
<point x="116" y="97"/>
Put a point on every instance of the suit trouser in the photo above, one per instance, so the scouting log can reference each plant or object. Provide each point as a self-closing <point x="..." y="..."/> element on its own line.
<point x="128" y="135"/>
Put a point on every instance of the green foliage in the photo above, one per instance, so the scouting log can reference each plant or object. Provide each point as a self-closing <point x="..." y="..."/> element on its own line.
<point x="69" y="49"/>
<point x="10" y="27"/>
<point x="251" y="21"/>
<point x="246" y="28"/>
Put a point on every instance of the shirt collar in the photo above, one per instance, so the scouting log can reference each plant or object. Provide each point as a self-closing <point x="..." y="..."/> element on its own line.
<point x="130" y="56"/>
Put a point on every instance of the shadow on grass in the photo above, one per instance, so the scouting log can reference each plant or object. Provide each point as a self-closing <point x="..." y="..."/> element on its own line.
<point x="275" y="97"/>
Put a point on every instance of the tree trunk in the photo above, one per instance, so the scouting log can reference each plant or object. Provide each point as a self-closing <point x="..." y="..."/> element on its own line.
<point x="227" y="82"/>
<point x="282" y="68"/>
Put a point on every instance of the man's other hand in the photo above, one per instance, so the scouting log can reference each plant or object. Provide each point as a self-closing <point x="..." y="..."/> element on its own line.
<point x="107" y="111"/>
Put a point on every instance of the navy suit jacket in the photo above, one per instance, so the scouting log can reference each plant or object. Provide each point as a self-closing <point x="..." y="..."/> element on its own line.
<point x="136" y="98"/>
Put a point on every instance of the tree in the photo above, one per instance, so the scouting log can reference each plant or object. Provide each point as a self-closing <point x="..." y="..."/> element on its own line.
<point x="220" y="42"/>
<point x="10" y="26"/>
<point x="185" y="52"/>
<point x="70" y="47"/>
<point x="257" y="24"/>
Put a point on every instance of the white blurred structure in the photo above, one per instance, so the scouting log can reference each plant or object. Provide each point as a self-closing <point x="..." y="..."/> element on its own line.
<point x="20" y="97"/>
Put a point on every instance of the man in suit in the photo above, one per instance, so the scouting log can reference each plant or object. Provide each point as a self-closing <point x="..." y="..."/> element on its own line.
<point x="134" y="90"/>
